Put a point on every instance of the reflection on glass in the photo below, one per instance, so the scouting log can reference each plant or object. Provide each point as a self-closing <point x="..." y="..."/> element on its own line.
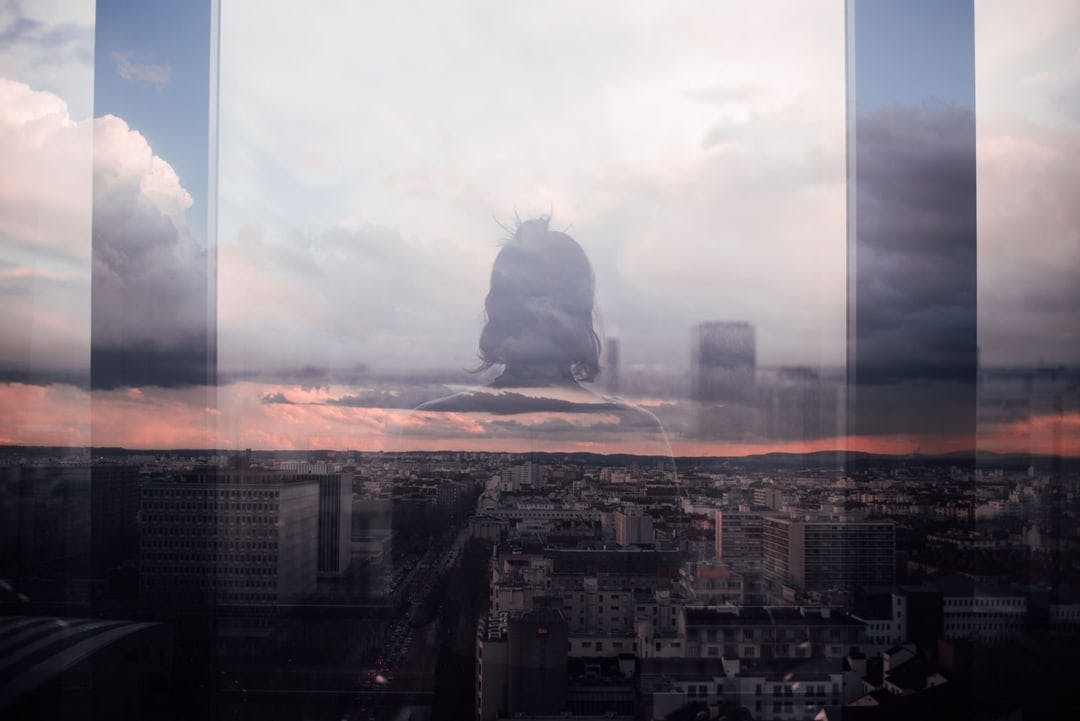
<point x="539" y="331"/>
<point x="347" y="515"/>
<point x="912" y="234"/>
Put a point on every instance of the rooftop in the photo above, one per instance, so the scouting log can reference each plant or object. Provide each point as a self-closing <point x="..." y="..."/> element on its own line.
<point x="767" y="615"/>
<point x="35" y="649"/>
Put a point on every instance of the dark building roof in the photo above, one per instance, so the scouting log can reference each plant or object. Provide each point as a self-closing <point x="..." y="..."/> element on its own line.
<point x="767" y="615"/>
<point x="620" y="562"/>
<point x="875" y="606"/>
<point x="34" y="650"/>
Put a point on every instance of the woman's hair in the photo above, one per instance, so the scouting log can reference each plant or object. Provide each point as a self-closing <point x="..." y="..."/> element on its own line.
<point x="540" y="306"/>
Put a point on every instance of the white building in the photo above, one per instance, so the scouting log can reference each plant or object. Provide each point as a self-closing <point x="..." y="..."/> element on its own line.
<point x="633" y="527"/>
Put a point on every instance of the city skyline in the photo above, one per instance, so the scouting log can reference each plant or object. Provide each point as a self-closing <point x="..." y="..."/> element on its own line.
<point x="514" y="583"/>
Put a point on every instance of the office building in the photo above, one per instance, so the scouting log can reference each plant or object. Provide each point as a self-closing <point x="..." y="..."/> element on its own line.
<point x="491" y="643"/>
<point x="521" y="664"/>
<point x="536" y="655"/>
<point x="986" y="615"/>
<point x="739" y="540"/>
<point x="525" y="475"/>
<point x="828" y="555"/>
<point x="228" y="537"/>
<point x="114" y="511"/>
<point x="335" y="523"/>
<point x="633" y="528"/>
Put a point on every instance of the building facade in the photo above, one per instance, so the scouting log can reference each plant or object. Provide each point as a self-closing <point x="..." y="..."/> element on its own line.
<point x="228" y="537"/>
<point x="828" y="555"/>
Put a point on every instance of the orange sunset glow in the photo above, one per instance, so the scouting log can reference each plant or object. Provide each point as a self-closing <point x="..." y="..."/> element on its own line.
<point x="158" y="418"/>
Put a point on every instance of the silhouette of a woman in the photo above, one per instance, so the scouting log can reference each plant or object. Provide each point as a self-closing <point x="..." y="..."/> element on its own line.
<point x="540" y="329"/>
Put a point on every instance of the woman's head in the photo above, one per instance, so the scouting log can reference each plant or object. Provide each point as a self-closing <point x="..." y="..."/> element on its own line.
<point x="540" y="306"/>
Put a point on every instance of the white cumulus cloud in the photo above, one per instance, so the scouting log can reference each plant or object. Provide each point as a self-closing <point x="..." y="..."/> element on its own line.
<point x="65" y="181"/>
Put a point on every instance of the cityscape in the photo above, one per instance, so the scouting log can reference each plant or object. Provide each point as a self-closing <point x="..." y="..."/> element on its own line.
<point x="589" y="361"/>
<point x="492" y="585"/>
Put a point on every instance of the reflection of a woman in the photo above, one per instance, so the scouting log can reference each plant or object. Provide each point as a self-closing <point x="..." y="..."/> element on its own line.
<point x="539" y="329"/>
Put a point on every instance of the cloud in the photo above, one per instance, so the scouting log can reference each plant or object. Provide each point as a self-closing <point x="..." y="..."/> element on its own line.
<point x="338" y="301"/>
<point x="698" y="157"/>
<point x="606" y="128"/>
<point x="1029" y="222"/>
<point x="308" y="377"/>
<point x="57" y="414"/>
<point x="1029" y="242"/>
<point x="406" y="396"/>
<point x="502" y="403"/>
<point x="45" y="186"/>
<point x="150" y="321"/>
<point x="916" y="261"/>
<point x="66" y="181"/>
<point x="916" y="358"/>
<point x="723" y="94"/>
<point x="278" y="397"/>
<point x="152" y="74"/>
<point x="49" y="44"/>
<point x="45" y="210"/>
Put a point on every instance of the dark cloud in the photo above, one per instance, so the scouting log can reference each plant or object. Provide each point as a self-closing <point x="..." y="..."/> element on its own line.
<point x="511" y="403"/>
<point x="134" y="365"/>
<point x="916" y="244"/>
<point x="35" y="374"/>
<point x="56" y="41"/>
<point x="308" y="377"/>
<point x="915" y="263"/>
<point x="276" y="398"/>
<point x="20" y="30"/>
<point x="34" y="32"/>
<point x="544" y="420"/>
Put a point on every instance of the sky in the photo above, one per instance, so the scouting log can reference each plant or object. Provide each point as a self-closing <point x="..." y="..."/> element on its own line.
<point x="369" y="162"/>
<point x="152" y="68"/>
<point x="918" y="45"/>
<point x="150" y="321"/>
<point x="700" y="168"/>
<point x="913" y="229"/>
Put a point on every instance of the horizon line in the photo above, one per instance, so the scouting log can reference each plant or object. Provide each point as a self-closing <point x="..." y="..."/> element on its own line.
<point x="961" y="454"/>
